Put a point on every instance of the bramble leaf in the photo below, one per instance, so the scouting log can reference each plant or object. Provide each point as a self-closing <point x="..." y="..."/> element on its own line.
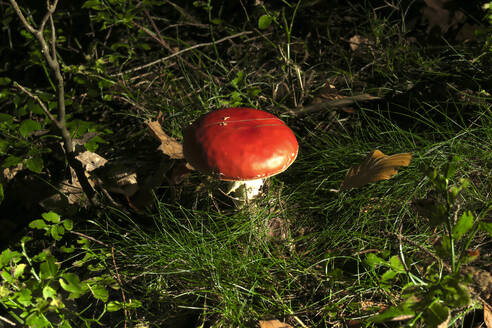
<point x="71" y="283"/>
<point x="51" y="217"/>
<point x="464" y="224"/>
<point x="28" y="126"/>
<point x="49" y="268"/>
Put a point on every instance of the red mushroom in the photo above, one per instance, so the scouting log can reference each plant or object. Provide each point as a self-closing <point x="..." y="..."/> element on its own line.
<point x="242" y="145"/>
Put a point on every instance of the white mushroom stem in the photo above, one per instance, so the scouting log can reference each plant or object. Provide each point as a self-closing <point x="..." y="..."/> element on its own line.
<point x="251" y="188"/>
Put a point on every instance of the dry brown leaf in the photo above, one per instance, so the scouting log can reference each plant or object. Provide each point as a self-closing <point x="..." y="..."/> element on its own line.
<point x="357" y="41"/>
<point x="169" y="146"/>
<point x="274" y="324"/>
<point x="487" y="315"/>
<point x="375" y="167"/>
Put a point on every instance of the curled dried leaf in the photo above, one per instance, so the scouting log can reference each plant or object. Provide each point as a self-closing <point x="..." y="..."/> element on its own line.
<point x="169" y="146"/>
<point x="375" y="167"/>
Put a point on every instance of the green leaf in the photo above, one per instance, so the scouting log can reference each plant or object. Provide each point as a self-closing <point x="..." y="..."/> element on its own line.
<point x="8" y="255"/>
<point x="65" y="324"/>
<point x="35" y="108"/>
<point x="451" y="167"/>
<point x="65" y="249"/>
<point x="403" y="309"/>
<point x="4" y="81"/>
<point x="11" y="161"/>
<point x="49" y="268"/>
<point x="68" y="224"/>
<point x="51" y="217"/>
<point x="443" y="247"/>
<point x="99" y="292"/>
<point x="113" y="306"/>
<point x="264" y="22"/>
<point x="133" y="304"/>
<point x="6" y="118"/>
<point x="57" y="232"/>
<point x="455" y="293"/>
<point x="38" y="224"/>
<point x="238" y="79"/>
<point x="487" y="226"/>
<point x="372" y="260"/>
<point x="4" y="291"/>
<point x="2" y="195"/>
<point x="49" y="292"/>
<point x="464" y="224"/>
<point x="41" y="256"/>
<point x="435" y="314"/>
<point x="24" y="297"/>
<point x="433" y="210"/>
<point x="19" y="270"/>
<point x="93" y="4"/>
<point x="388" y="275"/>
<point x="396" y="264"/>
<point x="87" y="257"/>
<point x="453" y="193"/>
<point x="28" y="126"/>
<point x="35" y="164"/>
<point x="71" y="283"/>
<point x="4" y="145"/>
<point x="7" y="277"/>
<point x="37" y="320"/>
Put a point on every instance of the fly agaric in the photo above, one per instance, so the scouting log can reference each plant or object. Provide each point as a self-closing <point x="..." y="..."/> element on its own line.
<point x="241" y="145"/>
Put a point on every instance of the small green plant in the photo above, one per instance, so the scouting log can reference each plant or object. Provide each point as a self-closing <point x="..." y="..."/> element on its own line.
<point x="433" y="293"/>
<point x="39" y="290"/>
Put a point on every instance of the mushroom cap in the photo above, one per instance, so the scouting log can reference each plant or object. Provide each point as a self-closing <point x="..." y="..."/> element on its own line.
<point x="239" y="144"/>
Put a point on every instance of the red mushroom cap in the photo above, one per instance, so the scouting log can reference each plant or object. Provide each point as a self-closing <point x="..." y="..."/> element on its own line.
<point x="240" y="144"/>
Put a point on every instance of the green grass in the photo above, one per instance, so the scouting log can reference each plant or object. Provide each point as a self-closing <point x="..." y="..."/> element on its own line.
<point x="224" y="268"/>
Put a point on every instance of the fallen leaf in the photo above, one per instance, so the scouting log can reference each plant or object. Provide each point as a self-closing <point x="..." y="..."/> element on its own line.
<point x="274" y="324"/>
<point x="10" y="172"/>
<point x="357" y="41"/>
<point x="487" y="315"/>
<point x="91" y="161"/>
<point x="169" y="146"/>
<point x="375" y="167"/>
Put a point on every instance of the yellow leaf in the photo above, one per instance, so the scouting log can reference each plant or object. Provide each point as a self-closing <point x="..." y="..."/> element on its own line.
<point x="375" y="167"/>
<point x="273" y="324"/>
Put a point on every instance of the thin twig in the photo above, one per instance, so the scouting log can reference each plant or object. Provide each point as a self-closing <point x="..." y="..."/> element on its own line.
<point x="333" y="104"/>
<point x="95" y="240"/>
<point x="200" y="45"/>
<point x="154" y="26"/>
<point x="43" y="106"/>
<point x="7" y="321"/>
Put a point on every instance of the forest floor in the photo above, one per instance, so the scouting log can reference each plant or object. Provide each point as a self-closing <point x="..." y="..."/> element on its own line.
<point x="348" y="79"/>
